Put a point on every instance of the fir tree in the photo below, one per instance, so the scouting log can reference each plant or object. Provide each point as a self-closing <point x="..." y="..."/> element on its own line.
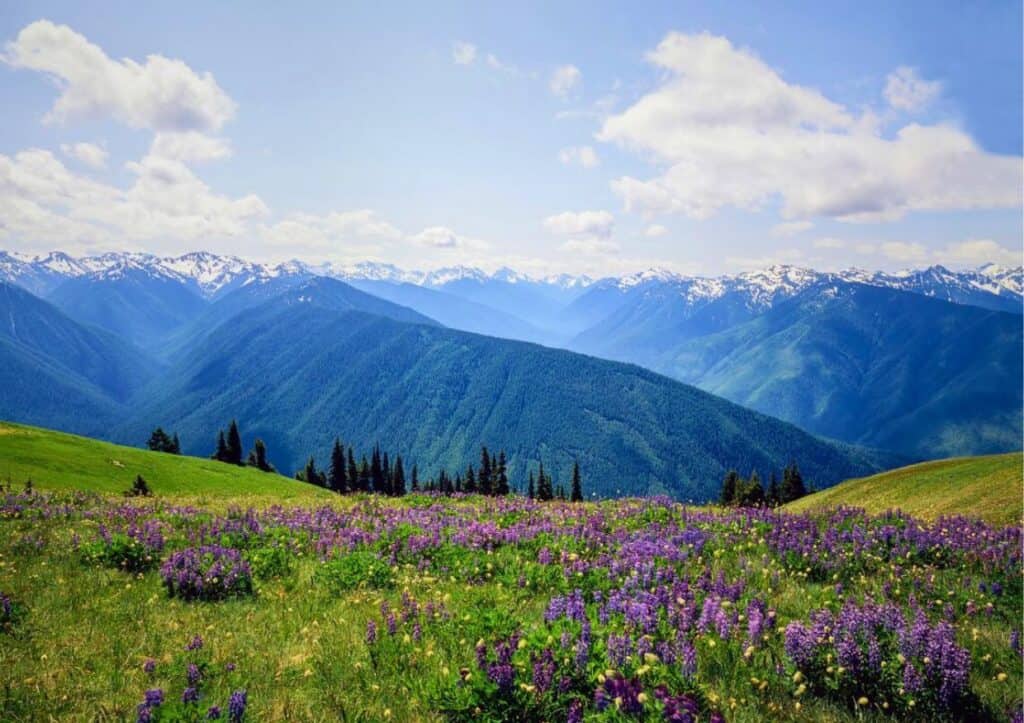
<point x="376" y="471"/>
<point x="312" y="475"/>
<point x="531" y="491"/>
<point x="772" y="495"/>
<point x="484" y="478"/>
<point x="415" y="479"/>
<point x="364" y="475"/>
<point x="398" y="480"/>
<point x="501" y="486"/>
<point x="386" y="475"/>
<point x="353" y="471"/>
<point x="234" y="444"/>
<point x="729" y="488"/>
<point x="258" y="457"/>
<point x="751" y="492"/>
<point x="470" y="486"/>
<point x="159" y="441"/>
<point x="337" y="478"/>
<point x="221" y="453"/>
<point x="792" y="484"/>
<point x="544" y="489"/>
<point x="140" y="488"/>
<point x="175" y="445"/>
<point x="577" y="485"/>
<point x="458" y="482"/>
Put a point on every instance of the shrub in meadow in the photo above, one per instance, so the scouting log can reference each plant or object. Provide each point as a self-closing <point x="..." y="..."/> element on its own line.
<point x="136" y="548"/>
<point x="355" y="570"/>
<point x="211" y="572"/>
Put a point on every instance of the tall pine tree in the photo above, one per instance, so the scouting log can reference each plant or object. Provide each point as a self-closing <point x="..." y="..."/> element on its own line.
<point x="258" y="457"/>
<point x="398" y="479"/>
<point x="729" y="487"/>
<point x="337" y="478"/>
<point x="484" y="478"/>
<point x="221" y="453"/>
<point x="234" y="444"/>
<point x="501" y="485"/>
<point x="577" y="484"/>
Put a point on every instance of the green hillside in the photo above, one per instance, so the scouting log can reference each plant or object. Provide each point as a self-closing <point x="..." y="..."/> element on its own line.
<point x="302" y="369"/>
<point x="58" y="461"/>
<point x="986" y="487"/>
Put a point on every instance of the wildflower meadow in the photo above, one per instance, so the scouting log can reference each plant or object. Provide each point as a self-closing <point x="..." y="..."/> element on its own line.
<point x="468" y="608"/>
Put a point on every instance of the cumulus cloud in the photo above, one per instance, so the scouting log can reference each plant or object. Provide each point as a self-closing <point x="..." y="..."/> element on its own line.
<point x="791" y="228"/>
<point x="975" y="252"/>
<point x="564" y="80"/>
<point x="160" y="94"/>
<point x="655" y="230"/>
<point x="907" y="91"/>
<point x="903" y="251"/>
<point x="442" y="237"/>
<point x="585" y="156"/>
<point x="463" y="53"/>
<point x="328" y="232"/>
<point x="581" y="225"/>
<point x="829" y="243"/>
<point x="730" y="132"/>
<point x="590" y="246"/>
<point x="42" y="200"/>
<point x="88" y="153"/>
<point x="189" y="147"/>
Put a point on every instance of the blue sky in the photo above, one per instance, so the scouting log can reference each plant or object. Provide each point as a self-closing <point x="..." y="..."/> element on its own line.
<point x="585" y="137"/>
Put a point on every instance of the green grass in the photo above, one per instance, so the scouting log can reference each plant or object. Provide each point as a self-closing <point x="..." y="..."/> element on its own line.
<point x="987" y="487"/>
<point x="66" y="462"/>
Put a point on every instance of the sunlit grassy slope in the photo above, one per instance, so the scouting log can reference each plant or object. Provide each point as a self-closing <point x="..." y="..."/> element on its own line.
<point x="58" y="461"/>
<point x="988" y="487"/>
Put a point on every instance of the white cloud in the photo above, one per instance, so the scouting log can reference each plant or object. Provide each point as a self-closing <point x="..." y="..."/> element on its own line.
<point x="88" y="153"/>
<point x="903" y="251"/>
<point x="975" y="252"/>
<point x="655" y="230"/>
<point x="829" y="243"/>
<point x="582" y="225"/>
<point x="442" y="237"/>
<point x="729" y="131"/>
<point x="590" y="246"/>
<point x="791" y="228"/>
<point x="329" y="232"/>
<point x="189" y="147"/>
<point x="463" y="53"/>
<point x="905" y="90"/>
<point x="160" y="94"/>
<point x="564" y="80"/>
<point x="41" y="200"/>
<point x="586" y="156"/>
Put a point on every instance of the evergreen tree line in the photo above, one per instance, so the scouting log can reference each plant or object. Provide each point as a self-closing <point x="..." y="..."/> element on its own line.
<point x="229" y="450"/>
<point x="378" y="474"/>
<point x="739" y="492"/>
<point x="489" y="478"/>
<point x="159" y="441"/>
<point x="542" y="488"/>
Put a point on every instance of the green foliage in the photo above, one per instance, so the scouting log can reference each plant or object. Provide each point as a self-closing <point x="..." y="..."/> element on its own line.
<point x="139" y="488"/>
<point x="355" y="570"/>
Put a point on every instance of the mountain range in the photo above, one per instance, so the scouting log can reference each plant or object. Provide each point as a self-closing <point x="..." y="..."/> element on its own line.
<point x="922" y="364"/>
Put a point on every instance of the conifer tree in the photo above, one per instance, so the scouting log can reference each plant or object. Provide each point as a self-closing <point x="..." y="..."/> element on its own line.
<point x="544" y="490"/>
<point x="501" y="484"/>
<point x="577" y="485"/>
<point x="398" y="479"/>
<point x="752" y="494"/>
<point x="772" y="495"/>
<point x="376" y="471"/>
<point x="234" y="444"/>
<point x="386" y="475"/>
<point x="159" y="441"/>
<point x="258" y="457"/>
<point x="484" y="478"/>
<point x="470" y="487"/>
<point x="221" y="453"/>
<point x="352" y="473"/>
<point x="729" y="487"/>
<point x="458" y="482"/>
<point x="792" y="484"/>
<point x="175" y="445"/>
<point x="337" y="478"/>
<point x="531" y="490"/>
<point x="415" y="479"/>
<point x="364" y="475"/>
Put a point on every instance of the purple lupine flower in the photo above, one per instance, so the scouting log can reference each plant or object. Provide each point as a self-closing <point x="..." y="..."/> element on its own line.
<point x="193" y="674"/>
<point x="195" y="644"/>
<point x="371" y="632"/>
<point x="213" y="712"/>
<point x="149" y="667"/>
<point x="619" y="689"/>
<point x="190" y="695"/>
<point x="236" y="706"/>
<point x="575" y="712"/>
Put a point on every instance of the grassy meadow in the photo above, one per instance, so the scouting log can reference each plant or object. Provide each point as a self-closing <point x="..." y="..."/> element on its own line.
<point x="322" y="607"/>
